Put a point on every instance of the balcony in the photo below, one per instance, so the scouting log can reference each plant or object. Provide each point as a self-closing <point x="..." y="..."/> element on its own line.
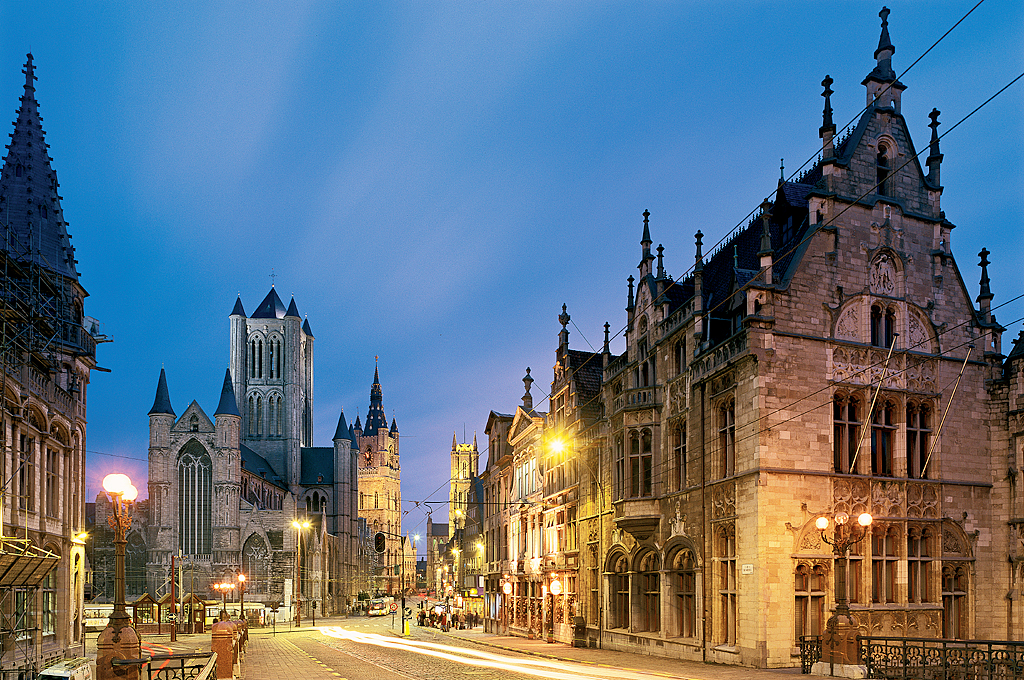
<point x="636" y="399"/>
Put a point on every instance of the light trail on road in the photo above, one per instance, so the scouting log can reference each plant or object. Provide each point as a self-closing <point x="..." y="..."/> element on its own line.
<point x="542" y="668"/>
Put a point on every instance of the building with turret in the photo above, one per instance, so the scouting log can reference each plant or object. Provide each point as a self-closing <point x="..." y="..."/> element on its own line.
<point x="246" y="489"/>
<point x="47" y="351"/>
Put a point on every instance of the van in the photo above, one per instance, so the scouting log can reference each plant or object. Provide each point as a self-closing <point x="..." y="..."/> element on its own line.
<point x="68" y="669"/>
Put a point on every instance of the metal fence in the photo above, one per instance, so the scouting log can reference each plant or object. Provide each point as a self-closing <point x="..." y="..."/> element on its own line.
<point x="929" y="658"/>
<point x="174" y="666"/>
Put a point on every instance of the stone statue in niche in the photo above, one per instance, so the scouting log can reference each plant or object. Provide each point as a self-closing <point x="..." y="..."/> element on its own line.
<point x="883" y="275"/>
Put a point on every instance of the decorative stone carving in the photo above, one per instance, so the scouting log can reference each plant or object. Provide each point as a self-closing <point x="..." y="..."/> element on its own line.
<point x="918" y="336"/>
<point x="951" y="543"/>
<point x="723" y="501"/>
<point x="922" y="500"/>
<point x="887" y="499"/>
<point x="848" y="326"/>
<point x="850" y="496"/>
<point x="811" y="542"/>
<point x="883" y="275"/>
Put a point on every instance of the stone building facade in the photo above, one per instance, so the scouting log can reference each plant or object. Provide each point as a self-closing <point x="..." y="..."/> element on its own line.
<point x="827" y="358"/>
<point x="47" y="352"/>
<point x="225" y="493"/>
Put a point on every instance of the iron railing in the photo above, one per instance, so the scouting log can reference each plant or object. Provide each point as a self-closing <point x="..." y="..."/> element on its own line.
<point x="929" y="658"/>
<point x="810" y="652"/>
<point x="196" y="666"/>
<point x="937" y="659"/>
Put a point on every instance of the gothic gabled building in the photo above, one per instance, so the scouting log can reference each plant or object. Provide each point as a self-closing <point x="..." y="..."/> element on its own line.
<point x="47" y="351"/>
<point x="826" y="359"/>
<point x="225" y="491"/>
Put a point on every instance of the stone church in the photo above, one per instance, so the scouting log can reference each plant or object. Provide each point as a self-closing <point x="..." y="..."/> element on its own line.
<point x="224" y="491"/>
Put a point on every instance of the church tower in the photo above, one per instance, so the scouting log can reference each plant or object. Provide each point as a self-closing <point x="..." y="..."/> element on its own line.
<point x="465" y="464"/>
<point x="272" y="369"/>
<point x="380" y="482"/>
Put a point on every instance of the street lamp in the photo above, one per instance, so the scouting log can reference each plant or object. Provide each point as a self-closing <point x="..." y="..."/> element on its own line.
<point x="299" y="526"/>
<point x="224" y="588"/>
<point x="119" y="639"/>
<point x="241" y="596"/>
<point x="839" y="642"/>
<point x="506" y="589"/>
<point x="555" y="589"/>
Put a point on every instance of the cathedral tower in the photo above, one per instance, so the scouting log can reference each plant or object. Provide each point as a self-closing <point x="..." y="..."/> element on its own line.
<point x="465" y="464"/>
<point x="272" y="369"/>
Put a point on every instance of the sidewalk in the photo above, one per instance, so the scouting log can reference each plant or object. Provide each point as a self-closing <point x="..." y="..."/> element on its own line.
<point x="642" y="663"/>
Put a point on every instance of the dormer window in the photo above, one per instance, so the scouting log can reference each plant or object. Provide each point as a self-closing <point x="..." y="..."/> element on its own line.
<point x="882" y="171"/>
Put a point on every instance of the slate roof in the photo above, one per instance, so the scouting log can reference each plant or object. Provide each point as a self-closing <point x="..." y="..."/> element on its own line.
<point x="270" y="308"/>
<point x="317" y="465"/>
<point x="306" y="329"/>
<point x="342" y="431"/>
<point x="228" y="406"/>
<point x="162" y="402"/>
<point x="238" y="309"/>
<point x="293" y="310"/>
<point x="258" y="465"/>
<point x="375" y="417"/>
<point x="28" y="191"/>
<point x="587" y="369"/>
<point x="439" y="530"/>
<point x="1018" y="348"/>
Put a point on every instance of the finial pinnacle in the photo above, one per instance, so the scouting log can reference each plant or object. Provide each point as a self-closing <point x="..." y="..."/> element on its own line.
<point x="885" y="17"/>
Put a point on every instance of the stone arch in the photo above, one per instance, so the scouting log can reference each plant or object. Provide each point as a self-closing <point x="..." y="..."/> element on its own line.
<point x="256" y="563"/>
<point x="195" y="499"/>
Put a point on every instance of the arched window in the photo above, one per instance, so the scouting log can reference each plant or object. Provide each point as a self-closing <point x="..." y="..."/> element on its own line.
<point x="193" y="423"/>
<point x="259" y="359"/>
<point x="19" y="170"/>
<point x="376" y="500"/>
<point x="882" y="170"/>
<point x="727" y="438"/>
<point x="883" y="434"/>
<point x="649" y="590"/>
<point x="954" y="600"/>
<point x="679" y="454"/>
<point x="809" y="590"/>
<point x="272" y="358"/>
<point x="256" y="564"/>
<point x="135" y="566"/>
<point x="845" y="432"/>
<point x="884" y="560"/>
<point x="619" y="585"/>
<point x="259" y="415"/>
<point x="280" y="356"/>
<point x="280" y="418"/>
<point x="919" y="564"/>
<point x="252" y="358"/>
<point x="252" y="416"/>
<point x="728" y="592"/>
<point x="684" y="575"/>
<point x="195" y="499"/>
<point x="919" y="432"/>
<point x="883" y="326"/>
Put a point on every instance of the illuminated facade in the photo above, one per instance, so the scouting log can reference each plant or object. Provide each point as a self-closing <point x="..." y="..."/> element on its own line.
<point x="803" y="368"/>
<point x="48" y="351"/>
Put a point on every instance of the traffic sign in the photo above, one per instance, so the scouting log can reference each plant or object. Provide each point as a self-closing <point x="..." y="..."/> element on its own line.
<point x="393" y="606"/>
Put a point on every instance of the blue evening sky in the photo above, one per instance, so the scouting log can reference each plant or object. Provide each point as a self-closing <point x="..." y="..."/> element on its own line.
<point x="432" y="180"/>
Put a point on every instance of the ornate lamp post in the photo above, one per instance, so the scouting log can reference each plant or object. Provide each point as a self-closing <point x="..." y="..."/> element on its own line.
<point x="506" y="589"/>
<point x="299" y="526"/>
<point x="555" y="589"/>
<point x="241" y="596"/>
<point x="839" y="643"/>
<point x="119" y="639"/>
<point x="224" y="588"/>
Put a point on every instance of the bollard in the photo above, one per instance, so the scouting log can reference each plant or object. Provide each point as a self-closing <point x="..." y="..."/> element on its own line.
<point x="222" y="642"/>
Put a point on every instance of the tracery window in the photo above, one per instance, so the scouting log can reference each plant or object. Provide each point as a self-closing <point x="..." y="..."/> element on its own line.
<point x="640" y="464"/>
<point x="883" y="564"/>
<point x="679" y="454"/>
<point x="954" y="600"/>
<point x="727" y="438"/>
<point x="620" y="592"/>
<point x="883" y="436"/>
<point x="727" y="590"/>
<point x="195" y="499"/>
<point x="684" y="568"/>
<point x="649" y="588"/>
<point x="845" y="432"/>
<point x="919" y="432"/>
<point x="619" y="478"/>
<point x="256" y="564"/>
<point x="919" y="564"/>
<point x="809" y="589"/>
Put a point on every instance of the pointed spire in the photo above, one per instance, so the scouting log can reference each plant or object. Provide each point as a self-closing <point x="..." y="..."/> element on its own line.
<point x="375" y="417"/>
<point x="305" y="327"/>
<point x="699" y="258"/>
<point x="766" y="230"/>
<point x="883" y="88"/>
<point x="607" y="328"/>
<point x="271" y="307"/>
<point x="342" y="432"/>
<point x="646" y="242"/>
<point x="293" y="310"/>
<point x="934" y="155"/>
<point x="986" y="291"/>
<point x="238" y="309"/>
<point x="629" y="301"/>
<point x="661" y="261"/>
<point x="474" y="440"/>
<point x="352" y="435"/>
<point x="782" y="171"/>
<point x="162" y="403"/>
<point x="228" y="405"/>
<point x="394" y="425"/>
<point x="527" y="397"/>
<point x="455" y="441"/>
<point x="32" y="209"/>
<point x="357" y="425"/>
<point x="827" y="131"/>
